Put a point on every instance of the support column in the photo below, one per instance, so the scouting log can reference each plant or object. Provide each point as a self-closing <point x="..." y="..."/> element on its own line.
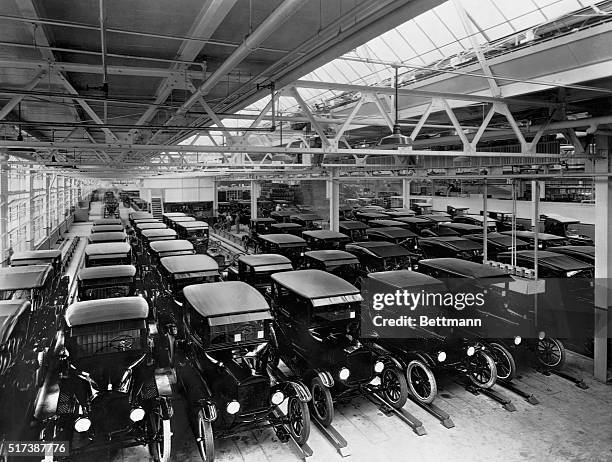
<point x="4" y="216"/>
<point x="255" y="192"/>
<point x="603" y="258"/>
<point x="406" y="192"/>
<point x="48" y="222"/>
<point x="333" y="194"/>
<point x="31" y="208"/>
<point x="485" y="216"/>
<point x="535" y="216"/>
<point x="215" y="199"/>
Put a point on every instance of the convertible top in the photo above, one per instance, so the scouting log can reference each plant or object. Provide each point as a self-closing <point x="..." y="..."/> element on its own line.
<point x="24" y="277"/>
<point x="113" y="236"/>
<point x="553" y="260"/>
<point x="464" y="268"/>
<point x="332" y="256"/>
<point x="391" y="232"/>
<point x="227" y="299"/>
<point x="314" y="284"/>
<point x="326" y="234"/>
<point x="107" y="248"/>
<point x="159" y="233"/>
<point x="352" y="224"/>
<point x="47" y="255"/>
<point x="105" y="310"/>
<point x="403" y="279"/>
<point x="264" y="259"/>
<point x="381" y="249"/>
<point x="189" y="264"/>
<point x="193" y="224"/>
<point x="287" y="239"/>
<point x="107" y="272"/>
<point x="106" y="228"/>
<point x="10" y="311"/>
<point x="177" y="245"/>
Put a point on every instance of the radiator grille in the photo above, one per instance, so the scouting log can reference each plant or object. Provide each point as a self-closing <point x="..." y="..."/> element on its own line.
<point x="361" y="366"/>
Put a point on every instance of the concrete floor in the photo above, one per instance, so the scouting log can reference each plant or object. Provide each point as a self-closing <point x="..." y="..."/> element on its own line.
<point x="569" y="424"/>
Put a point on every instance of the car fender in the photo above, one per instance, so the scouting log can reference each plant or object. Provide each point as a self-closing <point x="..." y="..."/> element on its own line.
<point x="424" y="357"/>
<point x="326" y="378"/>
<point x="292" y="388"/>
<point x="390" y="361"/>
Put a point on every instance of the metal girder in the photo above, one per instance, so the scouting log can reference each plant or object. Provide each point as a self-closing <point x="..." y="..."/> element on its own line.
<point x="304" y="107"/>
<point x="415" y="92"/>
<point x="8" y="107"/>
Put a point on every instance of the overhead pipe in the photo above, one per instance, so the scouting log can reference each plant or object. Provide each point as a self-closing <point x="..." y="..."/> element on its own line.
<point x="287" y="9"/>
<point x="104" y="69"/>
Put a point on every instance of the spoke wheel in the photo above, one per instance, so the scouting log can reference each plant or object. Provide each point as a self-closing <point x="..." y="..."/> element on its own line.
<point x="161" y="435"/>
<point x="299" y="420"/>
<point x="551" y="353"/>
<point x="322" y="405"/>
<point x="205" y="438"/>
<point x="481" y="369"/>
<point x="504" y="361"/>
<point x="421" y="381"/>
<point x="395" y="388"/>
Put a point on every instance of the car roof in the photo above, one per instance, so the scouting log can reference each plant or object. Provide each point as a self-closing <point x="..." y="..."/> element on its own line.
<point x="387" y="223"/>
<point x="263" y="220"/>
<point x="552" y="259"/>
<point x="478" y="218"/>
<point x="106" y="228"/>
<point x="531" y="235"/>
<point x="454" y="225"/>
<point x="107" y="221"/>
<point x="412" y="220"/>
<point x="264" y="259"/>
<point x="561" y="218"/>
<point x="313" y="283"/>
<point x="286" y="225"/>
<point x="283" y="239"/>
<point x="193" y="224"/>
<point x="579" y="249"/>
<point x="105" y="310"/>
<point x="283" y="213"/>
<point x="214" y="299"/>
<point x="158" y="232"/>
<point x="176" y="245"/>
<point x="465" y="268"/>
<point x="372" y="215"/>
<point x="174" y="214"/>
<point x="104" y="248"/>
<point x="391" y="231"/>
<point x="151" y="225"/>
<point x="381" y="249"/>
<point x="494" y="237"/>
<point x="24" y="277"/>
<point x="189" y="263"/>
<point x="331" y="255"/>
<point x="36" y="255"/>
<point x="10" y="311"/>
<point x="435" y="218"/>
<point x="139" y="221"/>
<point x="325" y="234"/>
<point x="110" y="272"/>
<point x="402" y="279"/>
<point x="353" y="224"/>
<point x="140" y="214"/>
<point x="453" y="241"/>
<point x="112" y="236"/>
<point x="306" y="216"/>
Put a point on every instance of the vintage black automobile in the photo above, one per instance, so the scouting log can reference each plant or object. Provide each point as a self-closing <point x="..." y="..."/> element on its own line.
<point x="500" y="313"/>
<point x="545" y="240"/>
<point x="429" y="350"/>
<point x="292" y="247"/>
<point x="106" y="282"/>
<point x="138" y="216"/>
<point x="107" y="221"/>
<point x="565" y="227"/>
<point x="394" y="235"/>
<point x="166" y="217"/>
<point x="309" y="221"/>
<point x="140" y="226"/>
<point x="154" y="235"/>
<point x="381" y="256"/>
<point x="325" y="239"/>
<point x="497" y="243"/>
<point x="282" y="216"/>
<point x="356" y="230"/>
<point x="226" y="382"/>
<point x="585" y="253"/>
<point x="174" y="221"/>
<point x="161" y="249"/>
<point x="197" y="232"/>
<point x="477" y="220"/>
<point x="338" y="262"/>
<point x="367" y="217"/>
<point x="503" y="220"/>
<point x="286" y="228"/>
<point x="104" y="385"/>
<point x="107" y="228"/>
<point x="437" y="218"/>
<point x="256" y="270"/>
<point x="417" y="225"/>
<point x="315" y="333"/>
<point x="260" y="226"/>
<point x="114" y="236"/>
<point x="450" y="247"/>
<point x="40" y="257"/>
<point x="108" y="253"/>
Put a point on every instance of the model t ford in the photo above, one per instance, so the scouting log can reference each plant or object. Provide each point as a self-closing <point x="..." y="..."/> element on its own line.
<point x="316" y="334"/>
<point x="104" y="391"/>
<point x="227" y="385"/>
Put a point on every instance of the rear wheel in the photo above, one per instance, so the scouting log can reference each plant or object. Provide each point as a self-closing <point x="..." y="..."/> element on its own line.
<point x="205" y="438"/>
<point x="481" y="369"/>
<point x="322" y="404"/>
<point x="161" y="435"/>
<point x="551" y="353"/>
<point x="394" y="387"/>
<point x="299" y="420"/>
<point x="421" y="381"/>
<point x="504" y="362"/>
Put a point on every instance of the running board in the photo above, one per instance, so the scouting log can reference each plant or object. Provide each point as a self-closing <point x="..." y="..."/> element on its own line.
<point x="512" y="386"/>
<point x="387" y="409"/>
<point x="441" y="415"/>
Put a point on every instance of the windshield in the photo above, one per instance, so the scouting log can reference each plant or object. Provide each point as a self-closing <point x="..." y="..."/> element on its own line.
<point x="572" y="230"/>
<point x="180" y="284"/>
<point x="14" y="294"/>
<point x="338" y="317"/>
<point x="396" y="263"/>
<point x="347" y="272"/>
<point x="198" y="233"/>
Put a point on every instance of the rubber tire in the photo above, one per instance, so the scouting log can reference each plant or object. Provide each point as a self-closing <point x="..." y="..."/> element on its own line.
<point x="492" y="369"/>
<point x="433" y="384"/>
<point x="204" y="433"/>
<point x="303" y="436"/>
<point x="559" y="345"/>
<point x="327" y="419"/>
<point x="403" y="386"/>
<point x="154" y="449"/>
<point x="498" y="350"/>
